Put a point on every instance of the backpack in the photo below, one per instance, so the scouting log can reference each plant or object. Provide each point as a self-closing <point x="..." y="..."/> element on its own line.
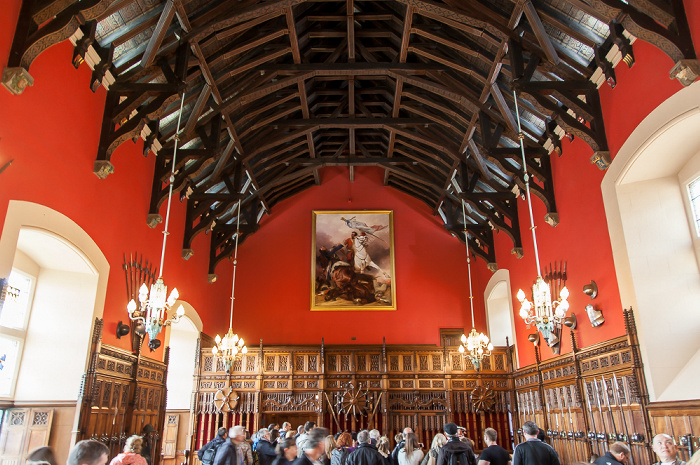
<point x="209" y="454"/>
<point x="458" y="458"/>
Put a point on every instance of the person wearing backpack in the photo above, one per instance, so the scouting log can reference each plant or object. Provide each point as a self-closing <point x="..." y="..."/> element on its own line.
<point x="455" y="452"/>
<point x="207" y="453"/>
<point x="534" y="451"/>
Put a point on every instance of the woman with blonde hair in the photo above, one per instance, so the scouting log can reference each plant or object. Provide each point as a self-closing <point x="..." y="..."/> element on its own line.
<point x="330" y="447"/>
<point x="411" y="454"/>
<point x="384" y="449"/>
<point x="431" y="457"/>
<point x="131" y="454"/>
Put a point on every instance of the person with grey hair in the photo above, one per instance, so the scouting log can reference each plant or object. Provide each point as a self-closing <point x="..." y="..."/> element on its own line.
<point x="88" y="452"/>
<point x="245" y="452"/>
<point x="365" y="453"/>
<point x="131" y="454"/>
<point x="374" y="436"/>
<point x="533" y="451"/>
<point x="227" y="454"/>
<point x="314" y="447"/>
<point x="665" y="448"/>
<point x="265" y="448"/>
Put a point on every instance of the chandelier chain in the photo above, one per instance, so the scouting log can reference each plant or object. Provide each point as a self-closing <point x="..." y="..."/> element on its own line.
<point x="526" y="178"/>
<point x="171" y="182"/>
<point x="235" y="263"/>
<point x="469" y="262"/>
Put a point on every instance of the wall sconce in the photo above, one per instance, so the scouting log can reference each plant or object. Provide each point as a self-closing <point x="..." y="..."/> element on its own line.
<point x="122" y="330"/>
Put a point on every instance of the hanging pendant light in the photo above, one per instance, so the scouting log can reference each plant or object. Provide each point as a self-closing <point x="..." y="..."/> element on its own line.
<point x="154" y="304"/>
<point x="231" y="347"/>
<point x="476" y="346"/>
<point x="542" y="312"/>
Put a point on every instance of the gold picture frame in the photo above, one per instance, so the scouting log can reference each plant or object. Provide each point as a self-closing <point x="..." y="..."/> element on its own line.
<point x="352" y="260"/>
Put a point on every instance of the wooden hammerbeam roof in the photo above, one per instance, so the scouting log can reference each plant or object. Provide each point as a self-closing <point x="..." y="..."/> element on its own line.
<point x="276" y="89"/>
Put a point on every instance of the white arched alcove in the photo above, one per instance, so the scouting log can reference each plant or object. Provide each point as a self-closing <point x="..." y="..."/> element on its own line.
<point x="182" y="340"/>
<point x="71" y="280"/>
<point x="499" y="309"/>
<point x="653" y="242"/>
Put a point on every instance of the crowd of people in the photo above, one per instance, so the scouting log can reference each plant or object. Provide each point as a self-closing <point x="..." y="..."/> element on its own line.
<point x="311" y="445"/>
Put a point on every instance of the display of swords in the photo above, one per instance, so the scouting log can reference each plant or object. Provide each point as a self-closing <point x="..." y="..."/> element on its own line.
<point x="606" y="403"/>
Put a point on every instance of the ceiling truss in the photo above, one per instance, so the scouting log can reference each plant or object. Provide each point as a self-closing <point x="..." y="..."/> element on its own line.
<point x="274" y="90"/>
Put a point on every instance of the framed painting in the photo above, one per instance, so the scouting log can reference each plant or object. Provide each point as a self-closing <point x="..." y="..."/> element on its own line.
<point x="352" y="261"/>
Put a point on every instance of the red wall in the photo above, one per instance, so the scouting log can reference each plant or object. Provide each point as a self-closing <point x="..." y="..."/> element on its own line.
<point x="274" y="264"/>
<point x="52" y="130"/>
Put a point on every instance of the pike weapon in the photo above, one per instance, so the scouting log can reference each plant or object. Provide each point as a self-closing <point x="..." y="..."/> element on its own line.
<point x="603" y="434"/>
<point x="614" y="435"/>
<point x="572" y="433"/>
<point x="592" y="435"/>
<point x="567" y="436"/>
<point x="618" y="401"/>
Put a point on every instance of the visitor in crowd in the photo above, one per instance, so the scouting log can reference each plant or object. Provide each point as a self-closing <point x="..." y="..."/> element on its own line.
<point x="617" y="454"/>
<point x="493" y="454"/>
<point x="384" y="449"/>
<point x="665" y="448"/>
<point x="534" y="451"/>
<point x="132" y="453"/>
<point x="430" y="458"/>
<point x="462" y="451"/>
<point x="329" y="446"/>
<point x="286" y="452"/>
<point x="41" y="456"/>
<point x="410" y="453"/>
<point x="313" y="448"/>
<point x="342" y="450"/>
<point x="365" y="453"/>
<point x="88" y="452"/>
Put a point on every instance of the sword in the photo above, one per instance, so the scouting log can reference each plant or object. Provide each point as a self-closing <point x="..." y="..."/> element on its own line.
<point x="616" y="393"/>
<point x="602" y="435"/>
<point x="610" y="413"/>
<point x="592" y="435"/>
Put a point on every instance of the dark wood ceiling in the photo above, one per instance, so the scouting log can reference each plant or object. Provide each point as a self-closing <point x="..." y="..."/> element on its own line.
<point x="274" y="90"/>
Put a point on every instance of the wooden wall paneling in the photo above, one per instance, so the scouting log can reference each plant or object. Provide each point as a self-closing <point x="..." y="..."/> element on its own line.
<point x="681" y="420"/>
<point x="170" y="433"/>
<point x="13" y="437"/>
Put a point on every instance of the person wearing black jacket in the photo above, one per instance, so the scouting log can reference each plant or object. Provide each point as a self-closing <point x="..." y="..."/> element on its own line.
<point x="616" y="455"/>
<point x="366" y="453"/>
<point x="455" y="447"/>
<point x="265" y="449"/>
<point x="221" y="435"/>
<point x="533" y="451"/>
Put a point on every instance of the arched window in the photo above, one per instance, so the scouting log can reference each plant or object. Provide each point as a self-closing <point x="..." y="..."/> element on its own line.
<point x="655" y="243"/>
<point x="499" y="309"/>
<point x="59" y="276"/>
